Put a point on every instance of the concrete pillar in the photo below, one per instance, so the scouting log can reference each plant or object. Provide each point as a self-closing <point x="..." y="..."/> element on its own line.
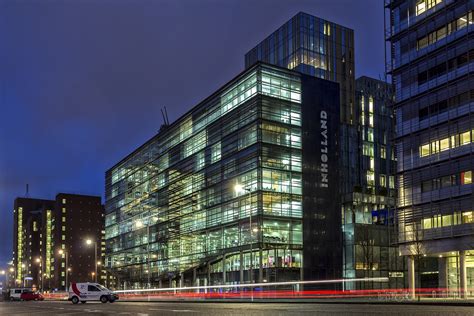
<point x="411" y="276"/>
<point x="462" y="274"/>
<point x="241" y="277"/>
<point x="223" y="270"/>
<point x="443" y="273"/>
<point x="205" y="285"/>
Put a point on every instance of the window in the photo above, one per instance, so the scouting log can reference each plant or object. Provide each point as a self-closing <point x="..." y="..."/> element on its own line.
<point x="91" y="288"/>
<point x="467" y="217"/>
<point x="383" y="152"/>
<point x="370" y="178"/>
<point x="370" y="134"/>
<point x="466" y="177"/>
<point x="372" y="163"/>
<point x="391" y="182"/>
<point x="465" y="138"/>
<point x="383" y="180"/>
<point x="64" y="201"/>
<point x="444" y="144"/>
<point x="425" y="150"/>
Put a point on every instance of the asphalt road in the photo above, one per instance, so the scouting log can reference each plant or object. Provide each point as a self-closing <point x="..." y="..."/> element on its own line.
<point x="51" y="308"/>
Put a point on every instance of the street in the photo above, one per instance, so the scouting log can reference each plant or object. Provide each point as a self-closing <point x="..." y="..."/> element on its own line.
<point x="184" y="308"/>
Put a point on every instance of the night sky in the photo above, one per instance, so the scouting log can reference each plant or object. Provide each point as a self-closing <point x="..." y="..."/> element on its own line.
<point x="82" y="82"/>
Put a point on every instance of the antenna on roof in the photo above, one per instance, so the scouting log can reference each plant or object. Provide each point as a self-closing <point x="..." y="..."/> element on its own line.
<point x="165" y="120"/>
<point x="166" y="115"/>
<point x="27" y="193"/>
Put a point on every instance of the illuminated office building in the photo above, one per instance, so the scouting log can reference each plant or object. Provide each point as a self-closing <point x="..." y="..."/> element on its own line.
<point x="324" y="49"/>
<point x="242" y="188"/>
<point x="431" y="66"/>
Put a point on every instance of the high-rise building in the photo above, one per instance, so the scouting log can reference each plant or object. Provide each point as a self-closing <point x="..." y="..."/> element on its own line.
<point x="50" y="240"/>
<point x="242" y="188"/>
<point x="431" y="66"/>
<point x="368" y="217"/>
<point x="324" y="49"/>
<point x="27" y="239"/>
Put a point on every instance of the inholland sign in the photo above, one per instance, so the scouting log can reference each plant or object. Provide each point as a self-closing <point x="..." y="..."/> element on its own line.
<point x="324" y="149"/>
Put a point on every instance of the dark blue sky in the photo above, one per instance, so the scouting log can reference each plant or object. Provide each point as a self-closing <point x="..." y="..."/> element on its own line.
<point x="82" y="82"/>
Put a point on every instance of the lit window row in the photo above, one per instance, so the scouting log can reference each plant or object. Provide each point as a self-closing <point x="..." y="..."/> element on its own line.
<point x="424" y="5"/>
<point x="437" y="146"/>
<point x="444" y="31"/>
<point x="457" y="218"/>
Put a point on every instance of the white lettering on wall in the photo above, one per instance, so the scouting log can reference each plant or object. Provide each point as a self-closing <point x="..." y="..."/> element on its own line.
<point x="324" y="149"/>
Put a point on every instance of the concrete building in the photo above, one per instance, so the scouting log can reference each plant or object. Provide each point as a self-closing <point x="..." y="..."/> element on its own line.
<point x="431" y="65"/>
<point x="50" y="241"/>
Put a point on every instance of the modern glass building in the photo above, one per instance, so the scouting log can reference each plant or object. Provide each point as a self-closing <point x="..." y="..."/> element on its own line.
<point x="324" y="49"/>
<point x="431" y="66"/>
<point x="368" y="215"/>
<point x="234" y="191"/>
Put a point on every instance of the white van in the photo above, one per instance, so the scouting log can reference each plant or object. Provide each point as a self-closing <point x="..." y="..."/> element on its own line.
<point x="15" y="293"/>
<point x="84" y="292"/>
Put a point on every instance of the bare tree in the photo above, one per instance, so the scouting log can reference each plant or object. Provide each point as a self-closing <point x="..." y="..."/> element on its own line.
<point x="367" y="243"/>
<point x="416" y="248"/>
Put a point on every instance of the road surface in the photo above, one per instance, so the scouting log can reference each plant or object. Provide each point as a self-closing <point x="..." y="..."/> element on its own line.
<point x="50" y="308"/>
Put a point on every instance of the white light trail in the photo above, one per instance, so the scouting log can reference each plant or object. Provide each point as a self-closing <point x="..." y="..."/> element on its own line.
<point x="381" y="279"/>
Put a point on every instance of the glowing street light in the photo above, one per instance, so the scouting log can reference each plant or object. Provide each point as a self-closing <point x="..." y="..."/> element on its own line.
<point x="238" y="188"/>
<point x="96" y="263"/>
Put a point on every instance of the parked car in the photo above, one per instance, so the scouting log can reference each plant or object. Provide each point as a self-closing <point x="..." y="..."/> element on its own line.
<point x="83" y="292"/>
<point x="15" y="293"/>
<point x="31" y="296"/>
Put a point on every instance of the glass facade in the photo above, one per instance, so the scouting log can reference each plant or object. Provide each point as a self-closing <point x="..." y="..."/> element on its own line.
<point x="431" y="68"/>
<point x="323" y="49"/>
<point x="172" y="210"/>
<point x="368" y="210"/>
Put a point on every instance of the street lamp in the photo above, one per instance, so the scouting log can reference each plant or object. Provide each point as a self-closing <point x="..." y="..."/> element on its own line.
<point x="5" y="273"/>
<point x="38" y="261"/>
<point x="64" y="252"/>
<point x="90" y="242"/>
<point x="239" y="189"/>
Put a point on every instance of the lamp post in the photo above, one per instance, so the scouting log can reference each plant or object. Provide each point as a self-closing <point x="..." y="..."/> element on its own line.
<point x="24" y="280"/>
<point x="90" y="242"/>
<point x="66" y="255"/>
<point x="5" y="273"/>
<point x="38" y="261"/>
<point x="238" y="189"/>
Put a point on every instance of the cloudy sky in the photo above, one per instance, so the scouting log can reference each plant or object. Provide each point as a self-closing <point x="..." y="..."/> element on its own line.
<point x="82" y="82"/>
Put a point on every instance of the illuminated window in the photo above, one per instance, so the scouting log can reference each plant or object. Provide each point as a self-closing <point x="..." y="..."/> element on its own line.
<point x="444" y="144"/>
<point x="64" y="210"/>
<point x="370" y="134"/>
<point x="391" y="182"/>
<point x="371" y="104"/>
<point x="372" y="163"/>
<point x="425" y="150"/>
<point x="466" y="177"/>
<point x="465" y="138"/>
<point x="371" y="119"/>
<point x="427" y="223"/>
<point x="383" y="152"/>
<point x="467" y="217"/>
<point x="370" y="178"/>
<point x="64" y="201"/>
<point x="383" y="180"/>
